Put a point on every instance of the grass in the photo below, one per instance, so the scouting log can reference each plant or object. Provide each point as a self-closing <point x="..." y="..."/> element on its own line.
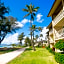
<point x="40" y="56"/>
<point x="8" y="50"/>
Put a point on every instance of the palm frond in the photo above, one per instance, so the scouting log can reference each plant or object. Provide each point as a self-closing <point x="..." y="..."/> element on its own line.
<point x="28" y="7"/>
<point x="26" y="15"/>
<point x="25" y="10"/>
<point x="35" y="9"/>
<point x="34" y="14"/>
<point x="33" y="6"/>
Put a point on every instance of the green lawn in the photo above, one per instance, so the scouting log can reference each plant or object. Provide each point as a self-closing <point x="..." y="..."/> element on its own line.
<point x="40" y="56"/>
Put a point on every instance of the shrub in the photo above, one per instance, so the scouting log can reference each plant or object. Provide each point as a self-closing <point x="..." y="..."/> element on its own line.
<point x="60" y="45"/>
<point x="50" y="50"/>
<point x="13" y="45"/>
<point x="59" y="58"/>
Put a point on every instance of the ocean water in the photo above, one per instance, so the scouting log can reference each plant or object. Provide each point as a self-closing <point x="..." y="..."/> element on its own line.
<point x="2" y="46"/>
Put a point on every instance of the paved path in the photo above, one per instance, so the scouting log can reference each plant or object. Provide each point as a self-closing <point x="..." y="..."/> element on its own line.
<point x="5" y="58"/>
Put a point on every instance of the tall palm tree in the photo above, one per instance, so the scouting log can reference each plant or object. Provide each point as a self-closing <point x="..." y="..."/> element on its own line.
<point x="33" y="28"/>
<point x="31" y="11"/>
<point x="21" y="37"/>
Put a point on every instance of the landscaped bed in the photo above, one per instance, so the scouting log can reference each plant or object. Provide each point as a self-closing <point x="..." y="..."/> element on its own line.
<point x="40" y="56"/>
<point x="6" y="50"/>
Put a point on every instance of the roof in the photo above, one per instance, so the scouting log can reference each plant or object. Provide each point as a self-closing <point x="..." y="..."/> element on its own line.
<point x="54" y="7"/>
<point x="49" y="25"/>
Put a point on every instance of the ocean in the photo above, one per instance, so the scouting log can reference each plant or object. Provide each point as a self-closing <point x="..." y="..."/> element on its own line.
<point x="2" y="46"/>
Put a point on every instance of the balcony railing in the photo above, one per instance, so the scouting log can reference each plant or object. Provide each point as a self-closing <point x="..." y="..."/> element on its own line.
<point x="58" y="17"/>
<point x="61" y="34"/>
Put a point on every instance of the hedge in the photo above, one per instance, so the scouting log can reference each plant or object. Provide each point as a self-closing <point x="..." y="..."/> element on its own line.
<point x="59" y="58"/>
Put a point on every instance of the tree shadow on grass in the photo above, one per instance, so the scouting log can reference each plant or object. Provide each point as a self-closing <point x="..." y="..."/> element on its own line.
<point x="39" y="47"/>
<point x="28" y="49"/>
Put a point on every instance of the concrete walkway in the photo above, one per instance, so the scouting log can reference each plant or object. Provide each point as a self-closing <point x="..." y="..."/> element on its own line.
<point x="5" y="58"/>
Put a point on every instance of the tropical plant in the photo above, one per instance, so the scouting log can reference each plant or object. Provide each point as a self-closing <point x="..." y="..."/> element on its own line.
<point x="41" y="39"/>
<point x="8" y="25"/>
<point x="40" y="29"/>
<point x="60" y="45"/>
<point x="36" y="37"/>
<point x="27" y="41"/>
<point x="3" y="10"/>
<point x="33" y="28"/>
<point x="59" y="57"/>
<point x="13" y="45"/>
<point x="31" y="11"/>
<point x="21" y="37"/>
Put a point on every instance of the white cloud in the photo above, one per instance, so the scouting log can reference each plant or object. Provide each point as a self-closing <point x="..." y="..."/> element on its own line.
<point x="39" y="16"/>
<point x="24" y="21"/>
<point x="44" y="31"/>
<point x="41" y="21"/>
<point x="19" y="24"/>
<point x="11" y="39"/>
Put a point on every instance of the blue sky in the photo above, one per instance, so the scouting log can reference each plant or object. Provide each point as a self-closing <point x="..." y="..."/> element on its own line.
<point x="16" y="7"/>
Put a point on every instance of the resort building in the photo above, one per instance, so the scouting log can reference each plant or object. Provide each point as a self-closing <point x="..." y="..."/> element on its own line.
<point x="56" y="27"/>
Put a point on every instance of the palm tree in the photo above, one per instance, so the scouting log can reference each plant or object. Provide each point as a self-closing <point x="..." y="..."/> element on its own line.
<point x="33" y="28"/>
<point x="41" y="39"/>
<point x="31" y="11"/>
<point x="36" y="37"/>
<point x="27" y="41"/>
<point x="40" y="29"/>
<point x="21" y="37"/>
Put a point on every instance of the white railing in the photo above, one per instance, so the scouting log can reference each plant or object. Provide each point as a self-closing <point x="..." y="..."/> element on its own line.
<point x="61" y="34"/>
<point x="58" y="17"/>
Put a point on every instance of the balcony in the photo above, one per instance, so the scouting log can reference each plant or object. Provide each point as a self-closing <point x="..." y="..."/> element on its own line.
<point x="61" y="34"/>
<point x="58" y="18"/>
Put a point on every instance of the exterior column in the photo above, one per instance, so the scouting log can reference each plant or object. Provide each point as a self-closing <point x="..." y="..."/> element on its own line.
<point x="63" y="4"/>
<point x="53" y="33"/>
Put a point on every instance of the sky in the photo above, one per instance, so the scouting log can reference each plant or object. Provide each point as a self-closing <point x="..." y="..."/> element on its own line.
<point x="41" y="18"/>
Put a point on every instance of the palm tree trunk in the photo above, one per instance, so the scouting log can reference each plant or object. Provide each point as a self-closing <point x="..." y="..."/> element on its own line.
<point x="31" y="31"/>
<point x="39" y="43"/>
<point x="33" y="42"/>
